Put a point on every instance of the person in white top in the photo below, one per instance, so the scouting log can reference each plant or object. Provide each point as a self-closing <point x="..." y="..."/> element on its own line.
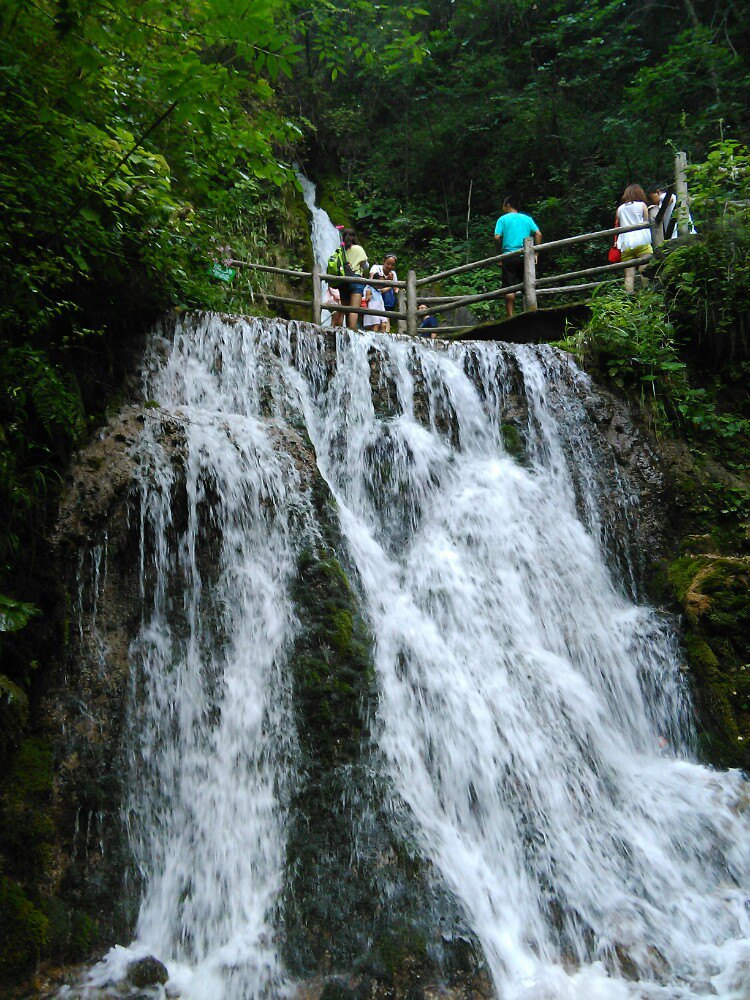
<point x="631" y="212"/>
<point x="389" y="296"/>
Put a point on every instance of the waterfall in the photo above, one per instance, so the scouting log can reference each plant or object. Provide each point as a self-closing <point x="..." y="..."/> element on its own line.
<point x="533" y="721"/>
<point x="324" y="236"/>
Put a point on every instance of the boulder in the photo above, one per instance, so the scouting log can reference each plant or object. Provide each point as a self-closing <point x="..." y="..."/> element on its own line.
<point x="147" y="971"/>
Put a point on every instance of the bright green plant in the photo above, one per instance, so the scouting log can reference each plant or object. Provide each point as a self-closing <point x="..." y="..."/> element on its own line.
<point x="720" y="184"/>
<point x="633" y="339"/>
<point x="708" y="279"/>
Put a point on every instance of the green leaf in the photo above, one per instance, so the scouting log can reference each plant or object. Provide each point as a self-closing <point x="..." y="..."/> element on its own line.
<point x="15" y="615"/>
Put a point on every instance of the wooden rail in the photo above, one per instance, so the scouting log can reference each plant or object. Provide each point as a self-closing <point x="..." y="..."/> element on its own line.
<point x="407" y="314"/>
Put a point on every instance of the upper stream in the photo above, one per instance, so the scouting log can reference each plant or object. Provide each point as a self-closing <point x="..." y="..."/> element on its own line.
<point x="533" y="724"/>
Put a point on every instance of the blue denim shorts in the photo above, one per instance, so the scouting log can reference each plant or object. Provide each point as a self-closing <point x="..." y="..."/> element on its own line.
<point x="348" y="290"/>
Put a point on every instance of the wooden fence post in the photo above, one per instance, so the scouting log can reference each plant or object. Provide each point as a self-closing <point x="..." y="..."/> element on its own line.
<point x="529" y="275"/>
<point x="317" y="296"/>
<point x="411" y="304"/>
<point x="401" y="308"/>
<point x="682" y="208"/>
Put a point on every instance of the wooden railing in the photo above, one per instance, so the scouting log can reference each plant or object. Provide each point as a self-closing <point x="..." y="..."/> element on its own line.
<point x="407" y="315"/>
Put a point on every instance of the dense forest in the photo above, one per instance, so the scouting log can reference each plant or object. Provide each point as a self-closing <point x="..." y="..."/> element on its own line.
<point x="143" y="143"/>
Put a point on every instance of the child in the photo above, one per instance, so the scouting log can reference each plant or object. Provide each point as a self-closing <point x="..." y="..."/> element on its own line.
<point x="373" y="299"/>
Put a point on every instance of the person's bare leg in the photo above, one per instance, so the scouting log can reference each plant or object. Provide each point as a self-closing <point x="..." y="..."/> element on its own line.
<point x="337" y="319"/>
<point x="353" y="318"/>
<point x="510" y="301"/>
<point x="630" y="280"/>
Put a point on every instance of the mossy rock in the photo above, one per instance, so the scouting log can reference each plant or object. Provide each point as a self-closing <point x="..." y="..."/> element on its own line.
<point x="332" y="664"/>
<point x="403" y="950"/>
<point x="714" y="595"/>
<point x="23" y="930"/>
<point x="370" y="918"/>
<point x="27" y="830"/>
<point x="513" y="441"/>
<point x="338" y="990"/>
<point x="72" y="933"/>
<point x="334" y="198"/>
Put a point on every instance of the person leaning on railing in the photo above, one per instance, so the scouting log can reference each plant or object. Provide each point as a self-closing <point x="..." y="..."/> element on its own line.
<point x="632" y="211"/>
<point x="386" y="272"/>
<point x="351" y="293"/>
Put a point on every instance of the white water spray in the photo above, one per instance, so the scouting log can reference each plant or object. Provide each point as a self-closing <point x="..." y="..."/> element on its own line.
<point x="523" y="697"/>
<point x="324" y="236"/>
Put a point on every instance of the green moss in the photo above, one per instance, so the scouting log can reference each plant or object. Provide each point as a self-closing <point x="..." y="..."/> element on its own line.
<point x="343" y="628"/>
<point x="512" y="440"/>
<point x="23" y="930"/>
<point x="26" y="827"/>
<point x="331" y="662"/>
<point x="400" y="947"/>
<point x="714" y="595"/>
<point x="681" y="575"/>
<point x="703" y="661"/>
<point x="71" y="933"/>
<point x="337" y="200"/>
<point x="31" y="774"/>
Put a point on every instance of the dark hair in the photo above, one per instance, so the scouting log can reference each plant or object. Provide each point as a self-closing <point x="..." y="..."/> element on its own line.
<point x="348" y="234"/>
<point x="512" y="201"/>
<point x="386" y="256"/>
<point x="633" y="192"/>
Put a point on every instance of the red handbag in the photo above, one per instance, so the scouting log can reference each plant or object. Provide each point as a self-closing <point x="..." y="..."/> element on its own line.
<point x="614" y="256"/>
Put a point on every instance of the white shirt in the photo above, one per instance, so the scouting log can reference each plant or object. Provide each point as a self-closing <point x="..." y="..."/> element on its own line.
<point x="376" y="271"/>
<point x="632" y="213"/>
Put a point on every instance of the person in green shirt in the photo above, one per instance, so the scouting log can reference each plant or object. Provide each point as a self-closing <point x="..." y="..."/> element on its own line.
<point x="511" y="230"/>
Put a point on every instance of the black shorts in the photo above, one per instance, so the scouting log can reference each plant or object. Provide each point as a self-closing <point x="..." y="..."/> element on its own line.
<point x="512" y="271"/>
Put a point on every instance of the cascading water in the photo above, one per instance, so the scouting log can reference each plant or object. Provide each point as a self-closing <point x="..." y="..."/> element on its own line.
<point x="532" y="719"/>
<point x="324" y="236"/>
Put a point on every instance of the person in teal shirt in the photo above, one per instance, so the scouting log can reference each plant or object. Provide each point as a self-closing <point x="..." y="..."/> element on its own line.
<point x="511" y="230"/>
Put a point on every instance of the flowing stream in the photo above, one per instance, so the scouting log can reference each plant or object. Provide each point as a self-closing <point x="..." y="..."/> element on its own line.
<point x="533" y="719"/>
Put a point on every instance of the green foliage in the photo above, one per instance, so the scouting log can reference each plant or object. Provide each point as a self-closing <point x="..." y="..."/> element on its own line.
<point x="708" y="288"/>
<point x="124" y="145"/>
<point x="634" y="340"/>
<point x="720" y="184"/>
<point x="42" y="418"/>
<point x="561" y="103"/>
<point x="14" y="615"/>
